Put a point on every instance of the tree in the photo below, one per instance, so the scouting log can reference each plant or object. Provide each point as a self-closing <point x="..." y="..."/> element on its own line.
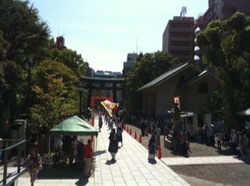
<point x="227" y="45"/>
<point x="55" y="93"/>
<point x="69" y="58"/>
<point x="24" y="33"/>
<point x="146" y="68"/>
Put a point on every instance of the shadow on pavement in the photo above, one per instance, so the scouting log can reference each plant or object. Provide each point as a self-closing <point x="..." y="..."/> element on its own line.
<point x="96" y="153"/>
<point x="60" y="171"/>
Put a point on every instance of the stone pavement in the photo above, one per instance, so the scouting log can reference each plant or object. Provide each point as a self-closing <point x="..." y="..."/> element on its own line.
<point x="131" y="167"/>
<point x="202" y="160"/>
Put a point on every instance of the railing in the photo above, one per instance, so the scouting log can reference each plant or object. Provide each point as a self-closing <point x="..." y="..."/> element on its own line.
<point x="20" y="145"/>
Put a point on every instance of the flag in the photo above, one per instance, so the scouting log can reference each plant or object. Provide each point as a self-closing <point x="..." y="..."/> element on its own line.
<point x="109" y="106"/>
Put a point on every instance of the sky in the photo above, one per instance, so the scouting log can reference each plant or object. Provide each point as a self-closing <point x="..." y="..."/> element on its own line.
<point x="105" y="31"/>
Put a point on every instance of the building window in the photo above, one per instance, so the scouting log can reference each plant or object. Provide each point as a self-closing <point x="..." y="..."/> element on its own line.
<point x="95" y="84"/>
<point x="119" y="85"/>
<point x="203" y="88"/>
<point x="108" y="85"/>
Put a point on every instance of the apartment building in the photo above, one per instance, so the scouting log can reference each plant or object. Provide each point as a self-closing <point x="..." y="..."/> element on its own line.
<point x="178" y="38"/>
<point x="220" y="9"/>
<point x="223" y="9"/>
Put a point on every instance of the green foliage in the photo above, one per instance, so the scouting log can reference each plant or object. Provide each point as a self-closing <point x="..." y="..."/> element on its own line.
<point x="21" y="33"/>
<point x="22" y="28"/>
<point x="227" y="46"/>
<point x="69" y="58"/>
<point x="4" y="46"/>
<point x="147" y="67"/>
<point x="55" y="93"/>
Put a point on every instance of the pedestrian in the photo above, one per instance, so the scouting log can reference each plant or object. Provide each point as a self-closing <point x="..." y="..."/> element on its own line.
<point x="1" y="150"/>
<point x="147" y="124"/>
<point x="177" y="111"/>
<point x="142" y="126"/>
<point x="100" y="122"/>
<point x="58" y="143"/>
<point x="34" y="164"/>
<point x="184" y="139"/>
<point x="234" y="140"/>
<point x="119" y="134"/>
<point x="152" y="147"/>
<point x="113" y="144"/>
<point x="80" y="153"/>
<point x="88" y="157"/>
<point x="219" y="139"/>
<point x="72" y="150"/>
<point x="243" y="142"/>
<point x="212" y="141"/>
<point x="158" y="136"/>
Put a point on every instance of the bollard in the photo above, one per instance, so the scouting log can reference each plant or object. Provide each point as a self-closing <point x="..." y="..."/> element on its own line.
<point x="135" y="135"/>
<point x="130" y="132"/>
<point x="159" y="153"/>
<point x="140" y="139"/>
<point x="93" y="121"/>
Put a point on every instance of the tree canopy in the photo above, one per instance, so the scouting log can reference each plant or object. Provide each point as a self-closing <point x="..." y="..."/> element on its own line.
<point x="55" y="93"/>
<point x="227" y="45"/>
<point x="34" y="75"/>
<point x="147" y="67"/>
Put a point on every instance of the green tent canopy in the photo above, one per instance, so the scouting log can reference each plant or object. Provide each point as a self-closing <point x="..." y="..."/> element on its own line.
<point x="74" y="126"/>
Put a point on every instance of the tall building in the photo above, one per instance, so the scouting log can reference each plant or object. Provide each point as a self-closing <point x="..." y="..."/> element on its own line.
<point x="178" y="38"/>
<point x="226" y="8"/>
<point x="131" y="59"/>
<point x="60" y="42"/>
<point x="221" y="9"/>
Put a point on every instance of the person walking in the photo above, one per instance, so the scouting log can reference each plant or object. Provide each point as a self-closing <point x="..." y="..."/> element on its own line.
<point x="34" y="164"/>
<point x="158" y="136"/>
<point x="234" y="140"/>
<point x="119" y="134"/>
<point x="100" y="122"/>
<point x="152" y="147"/>
<point x="88" y="157"/>
<point x="80" y="153"/>
<point x="243" y="142"/>
<point x="219" y="139"/>
<point x="113" y="144"/>
<point x="1" y="150"/>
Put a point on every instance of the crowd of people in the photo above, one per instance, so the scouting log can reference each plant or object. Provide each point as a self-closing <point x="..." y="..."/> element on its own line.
<point x="71" y="150"/>
<point x="236" y="140"/>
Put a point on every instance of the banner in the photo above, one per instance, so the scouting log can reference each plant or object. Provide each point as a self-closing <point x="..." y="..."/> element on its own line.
<point x="109" y="106"/>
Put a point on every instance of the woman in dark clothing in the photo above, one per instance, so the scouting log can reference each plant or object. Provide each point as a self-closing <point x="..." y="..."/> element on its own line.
<point x="119" y="134"/>
<point x="113" y="144"/>
<point x="152" y="147"/>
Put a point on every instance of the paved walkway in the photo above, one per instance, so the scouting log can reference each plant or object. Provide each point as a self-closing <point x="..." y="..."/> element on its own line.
<point x="131" y="168"/>
<point x="202" y="160"/>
